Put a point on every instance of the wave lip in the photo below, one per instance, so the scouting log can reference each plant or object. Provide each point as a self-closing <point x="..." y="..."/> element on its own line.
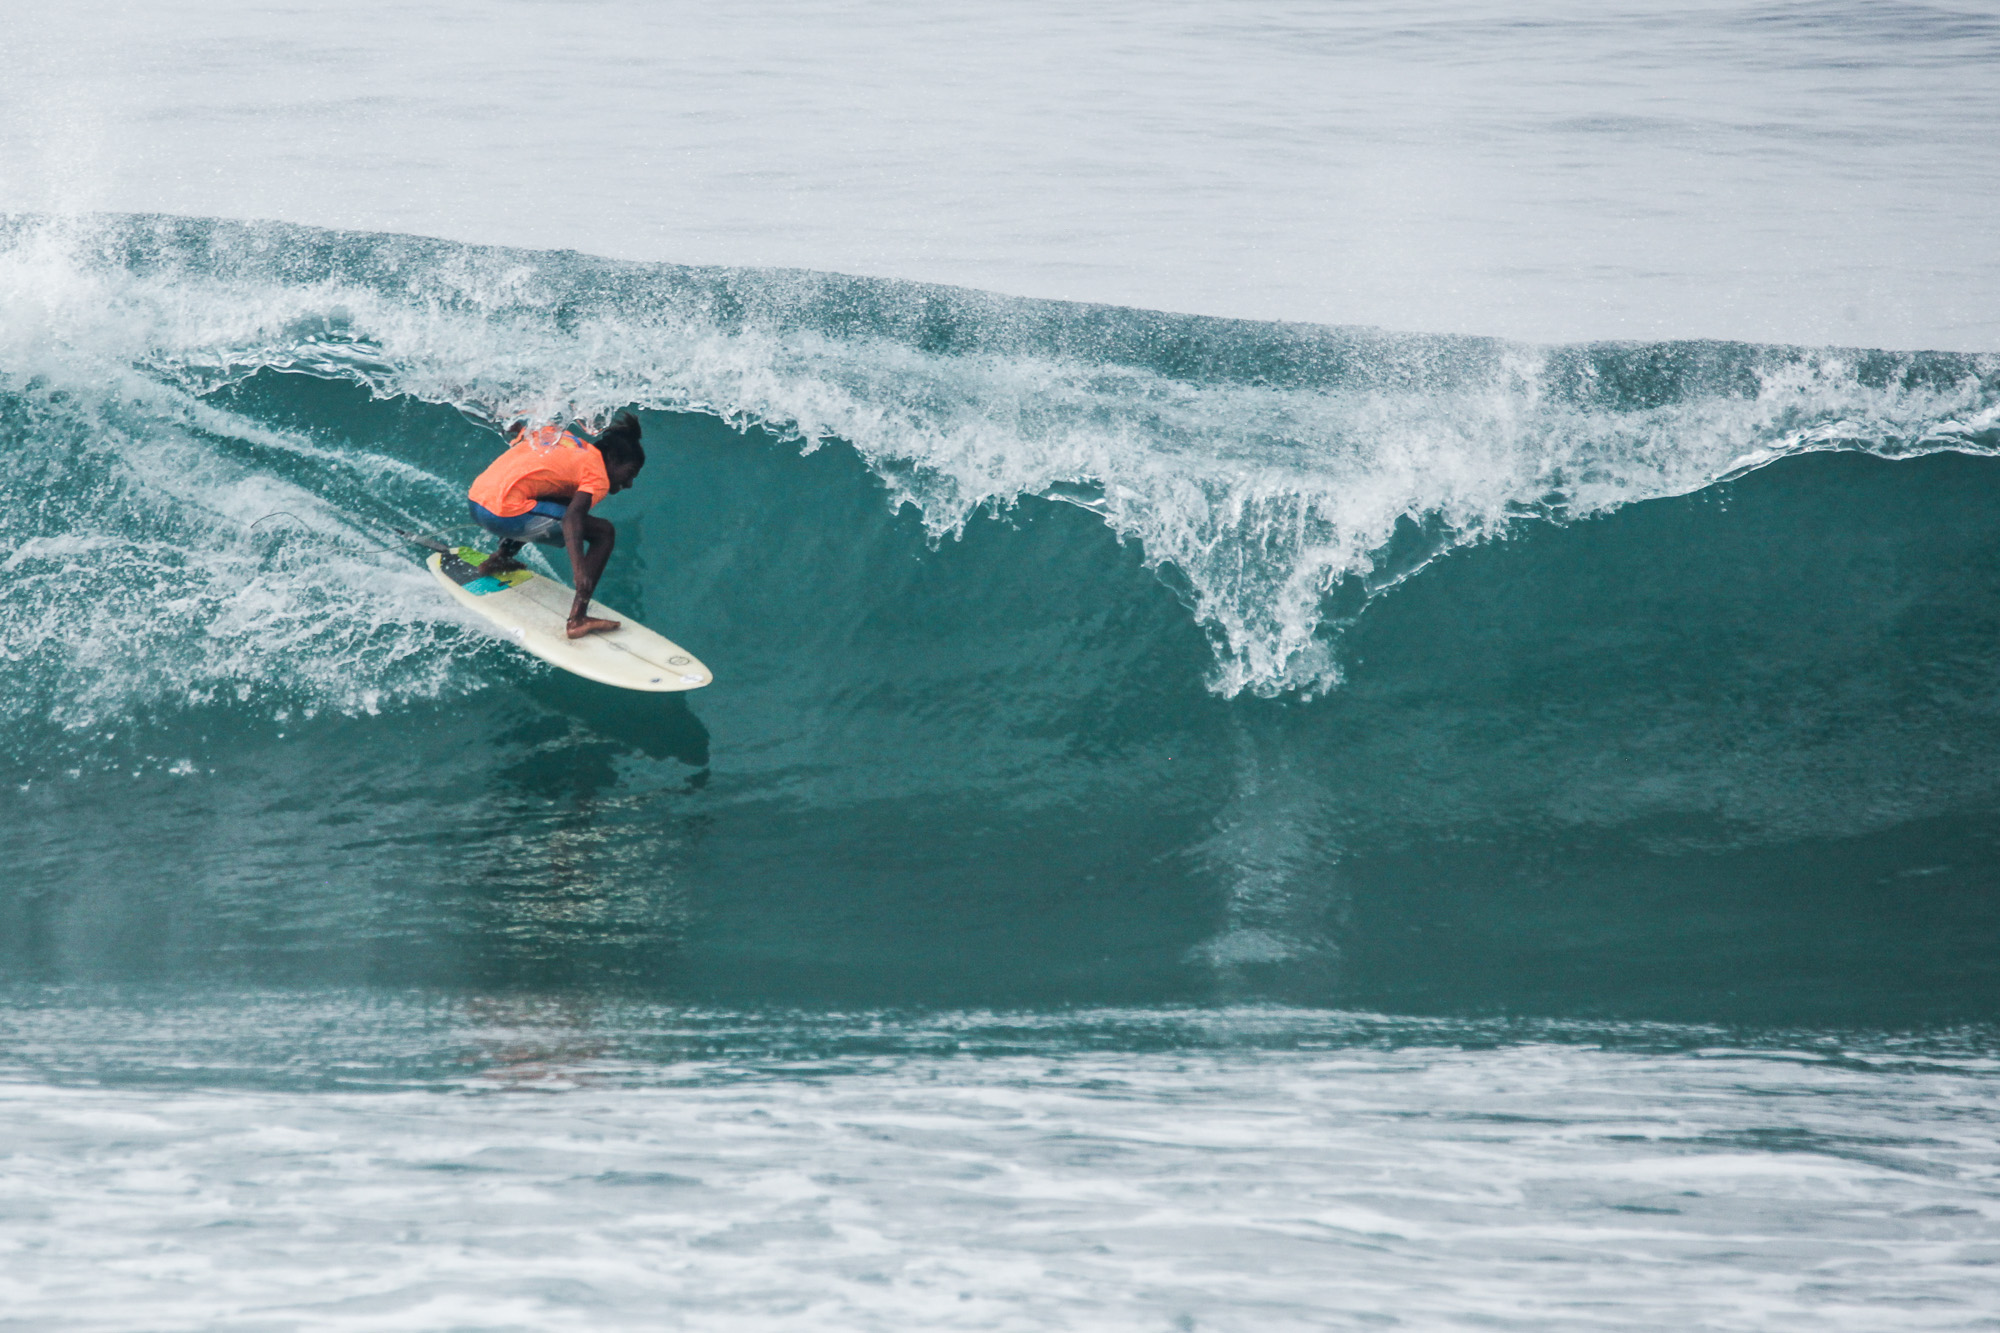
<point x="1277" y="475"/>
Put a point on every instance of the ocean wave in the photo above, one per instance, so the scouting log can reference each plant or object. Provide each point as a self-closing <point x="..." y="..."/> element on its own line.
<point x="1278" y="475"/>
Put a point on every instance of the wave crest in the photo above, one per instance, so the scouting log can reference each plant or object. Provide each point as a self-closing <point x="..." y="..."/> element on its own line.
<point x="1278" y="475"/>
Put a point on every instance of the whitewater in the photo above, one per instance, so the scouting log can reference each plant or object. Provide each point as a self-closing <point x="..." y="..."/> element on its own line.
<point x="1356" y="664"/>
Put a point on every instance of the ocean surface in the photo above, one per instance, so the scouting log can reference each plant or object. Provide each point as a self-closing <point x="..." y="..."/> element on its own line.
<point x="1357" y="651"/>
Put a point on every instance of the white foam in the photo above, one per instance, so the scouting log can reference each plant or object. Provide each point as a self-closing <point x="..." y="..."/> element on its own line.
<point x="560" y="1179"/>
<point x="151" y="559"/>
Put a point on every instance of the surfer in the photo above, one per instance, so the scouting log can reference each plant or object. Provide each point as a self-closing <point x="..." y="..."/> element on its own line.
<point x="542" y="489"/>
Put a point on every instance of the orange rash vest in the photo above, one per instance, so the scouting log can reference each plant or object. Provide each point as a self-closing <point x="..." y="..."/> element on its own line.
<point x="545" y="464"/>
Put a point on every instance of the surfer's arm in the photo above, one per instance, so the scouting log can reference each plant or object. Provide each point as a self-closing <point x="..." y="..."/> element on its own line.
<point x="580" y="526"/>
<point x="574" y="520"/>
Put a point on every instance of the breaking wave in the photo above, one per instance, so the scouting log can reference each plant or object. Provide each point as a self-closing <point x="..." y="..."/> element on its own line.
<point x="1277" y="475"/>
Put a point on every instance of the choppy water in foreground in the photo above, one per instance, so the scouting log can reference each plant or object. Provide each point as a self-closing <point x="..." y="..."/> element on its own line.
<point x="256" y="1161"/>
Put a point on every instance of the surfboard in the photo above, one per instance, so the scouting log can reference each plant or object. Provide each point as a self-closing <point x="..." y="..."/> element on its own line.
<point x="533" y="611"/>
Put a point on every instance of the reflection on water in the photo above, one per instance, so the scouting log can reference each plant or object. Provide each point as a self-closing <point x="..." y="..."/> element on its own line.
<point x="534" y="1043"/>
<point x="583" y="861"/>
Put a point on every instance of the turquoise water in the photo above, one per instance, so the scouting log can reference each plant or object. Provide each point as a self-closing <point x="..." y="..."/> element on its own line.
<point x="1201" y="822"/>
<point x="1464" y="677"/>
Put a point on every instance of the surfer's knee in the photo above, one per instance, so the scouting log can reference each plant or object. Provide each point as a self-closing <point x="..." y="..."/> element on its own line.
<point x="597" y="529"/>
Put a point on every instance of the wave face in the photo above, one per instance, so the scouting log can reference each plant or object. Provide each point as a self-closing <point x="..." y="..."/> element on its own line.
<point x="1067" y="653"/>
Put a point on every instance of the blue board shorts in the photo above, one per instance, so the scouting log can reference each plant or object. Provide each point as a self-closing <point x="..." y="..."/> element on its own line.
<point x="541" y="524"/>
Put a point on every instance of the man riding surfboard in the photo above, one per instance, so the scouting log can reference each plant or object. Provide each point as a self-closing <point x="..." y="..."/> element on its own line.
<point x="542" y="489"/>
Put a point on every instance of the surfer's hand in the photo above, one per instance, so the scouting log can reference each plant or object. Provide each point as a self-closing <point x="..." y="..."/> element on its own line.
<point x="582" y="625"/>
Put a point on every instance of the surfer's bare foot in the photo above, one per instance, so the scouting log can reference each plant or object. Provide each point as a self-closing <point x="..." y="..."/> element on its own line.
<point x="499" y="564"/>
<point x="589" y="625"/>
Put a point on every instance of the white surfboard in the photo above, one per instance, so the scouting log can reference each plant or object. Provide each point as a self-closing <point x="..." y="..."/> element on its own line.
<point x="533" y="611"/>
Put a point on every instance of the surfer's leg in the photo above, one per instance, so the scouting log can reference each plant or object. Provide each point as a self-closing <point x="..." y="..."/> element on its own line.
<point x="502" y="561"/>
<point x="543" y="523"/>
<point x="599" y="536"/>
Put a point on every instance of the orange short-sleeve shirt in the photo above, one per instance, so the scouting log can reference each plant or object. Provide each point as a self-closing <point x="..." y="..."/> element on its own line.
<point x="545" y="464"/>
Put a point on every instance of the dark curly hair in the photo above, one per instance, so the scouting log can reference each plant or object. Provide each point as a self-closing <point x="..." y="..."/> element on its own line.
<point x="619" y="441"/>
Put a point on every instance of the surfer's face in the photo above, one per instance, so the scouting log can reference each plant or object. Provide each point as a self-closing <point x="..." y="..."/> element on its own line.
<point x="622" y="475"/>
